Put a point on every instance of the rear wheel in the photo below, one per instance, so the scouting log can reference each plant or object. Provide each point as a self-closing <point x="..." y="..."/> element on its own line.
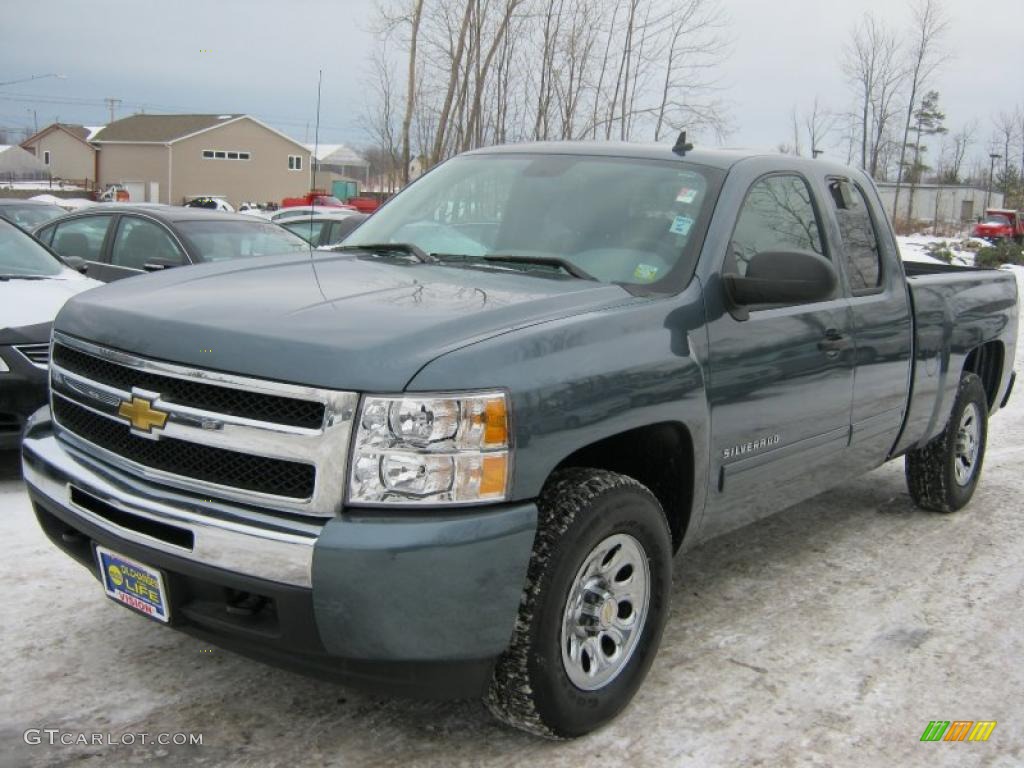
<point x="943" y="474"/>
<point x="594" y="607"/>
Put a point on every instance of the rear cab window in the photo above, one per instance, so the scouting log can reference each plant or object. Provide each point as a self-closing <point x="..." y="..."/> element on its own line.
<point x="860" y="249"/>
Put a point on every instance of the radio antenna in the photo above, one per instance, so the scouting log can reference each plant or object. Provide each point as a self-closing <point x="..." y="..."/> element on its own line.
<point x="316" y="161"/>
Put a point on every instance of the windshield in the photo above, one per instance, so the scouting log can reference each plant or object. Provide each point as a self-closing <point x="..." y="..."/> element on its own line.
<point x="619" y="220"/>
<point x="220" y="240"/>
<point x="22" y="256"/>
<point x="31" y="216"/>
<point x="995" y="218"/>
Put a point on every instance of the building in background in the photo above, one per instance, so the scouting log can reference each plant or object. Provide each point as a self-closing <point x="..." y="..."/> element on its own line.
<point x="174" y="158"/>
<point x="65" y="151"/>
<point x="340" y="170"/>
<point x="17" y="164"/>
<point x="948" y="205"/>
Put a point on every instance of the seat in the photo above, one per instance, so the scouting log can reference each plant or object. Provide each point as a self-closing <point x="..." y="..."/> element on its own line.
<point x="73" y="244"/>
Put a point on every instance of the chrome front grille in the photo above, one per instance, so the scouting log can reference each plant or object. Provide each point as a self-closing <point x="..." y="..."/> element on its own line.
<point x="37" y="354"/>
<point x="280" y="446"/>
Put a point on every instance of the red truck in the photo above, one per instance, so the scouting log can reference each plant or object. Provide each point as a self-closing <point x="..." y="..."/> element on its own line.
<point x="1000" y="224"/>
<point x="317" y="197"/>
<point x="364" y="203"/>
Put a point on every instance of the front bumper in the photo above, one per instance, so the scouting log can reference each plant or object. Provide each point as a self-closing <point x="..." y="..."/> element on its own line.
<point x="22" y="391"/>
<point x="413" y="604"/>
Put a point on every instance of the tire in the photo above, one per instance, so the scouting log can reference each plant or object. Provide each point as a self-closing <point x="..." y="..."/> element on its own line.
<point x="587" y="517"/>
<point x="939" y="475"/>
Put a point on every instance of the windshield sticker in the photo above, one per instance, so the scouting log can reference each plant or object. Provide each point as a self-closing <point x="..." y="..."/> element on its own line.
<point x="645" y="272"/>
<point x="681" y="225"/>
<point x="686" y="195"/>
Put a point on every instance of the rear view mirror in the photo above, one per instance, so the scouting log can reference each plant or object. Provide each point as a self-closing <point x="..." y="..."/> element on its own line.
<point x="783" y="277"/>
<point x="76" y="263"/>
<point x="155" y="265"/>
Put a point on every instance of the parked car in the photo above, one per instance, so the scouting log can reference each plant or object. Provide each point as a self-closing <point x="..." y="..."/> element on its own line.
<point x="34" y="284"/>
<point x="321" y="231"/>
<point x="210" y="204"/>
<point x="282" y="214"/>
<point x="316" y="197"/>
<point x="28" y="214"/>
<point x="457" y="458"/>
<point x="119" y="241"/>
<point x="1000" y="224"/>
<point x="363" y="203"/>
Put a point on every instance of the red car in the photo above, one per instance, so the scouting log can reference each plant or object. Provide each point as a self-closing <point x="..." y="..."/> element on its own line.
<point x="999" y="224"/>
<point x="316" y="197"/>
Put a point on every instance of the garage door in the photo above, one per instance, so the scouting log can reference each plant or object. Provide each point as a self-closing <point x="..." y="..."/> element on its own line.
<point x="136" y="191"/>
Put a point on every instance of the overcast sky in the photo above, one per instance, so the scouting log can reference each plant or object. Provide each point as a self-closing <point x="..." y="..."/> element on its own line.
<point x="262" y="58"/>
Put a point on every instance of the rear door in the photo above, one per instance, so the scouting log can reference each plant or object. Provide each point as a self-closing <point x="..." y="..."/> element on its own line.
<point x="881" y="317"/>
<point x="781" y="381"/>
<point x="86" y="237"/>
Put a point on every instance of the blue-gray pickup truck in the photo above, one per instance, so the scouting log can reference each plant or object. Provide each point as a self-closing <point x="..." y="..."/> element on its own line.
<point x="457" y="456"/>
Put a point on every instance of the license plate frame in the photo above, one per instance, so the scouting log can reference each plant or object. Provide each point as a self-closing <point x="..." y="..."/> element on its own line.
<point x="135" y="585"/>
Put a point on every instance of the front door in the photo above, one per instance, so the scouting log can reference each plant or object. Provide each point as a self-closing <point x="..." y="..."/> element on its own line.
<point x="781" y="380"/>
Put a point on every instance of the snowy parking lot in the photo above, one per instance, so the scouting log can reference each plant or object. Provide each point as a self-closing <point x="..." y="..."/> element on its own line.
<point x="827" y="635"/>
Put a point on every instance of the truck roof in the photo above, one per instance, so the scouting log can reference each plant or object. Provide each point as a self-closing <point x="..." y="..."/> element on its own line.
<point x="722" y="158"/>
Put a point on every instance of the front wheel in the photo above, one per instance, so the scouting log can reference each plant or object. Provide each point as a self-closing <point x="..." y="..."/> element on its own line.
<point x="594" y="606"/>
<point x="943" y="474"/>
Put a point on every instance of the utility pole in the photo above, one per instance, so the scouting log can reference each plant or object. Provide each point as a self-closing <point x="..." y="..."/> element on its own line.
<point x="112" y="105"/>
<point x="991" y="169"/>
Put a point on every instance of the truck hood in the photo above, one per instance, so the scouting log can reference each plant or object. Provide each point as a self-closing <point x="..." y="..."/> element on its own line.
<point x="334" y="321"/>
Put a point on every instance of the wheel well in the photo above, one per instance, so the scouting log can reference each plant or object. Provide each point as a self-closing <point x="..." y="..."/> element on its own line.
<point x="660" y="456"/>
<point x="986" y="361"/>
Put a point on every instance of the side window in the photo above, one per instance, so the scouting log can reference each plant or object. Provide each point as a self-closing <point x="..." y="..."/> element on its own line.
<point x="82" y="237"/>
<point x="139" y="242"/>
<point x="45" y="235"/>
<point x="777" y="215"/>
<point x="306" y="229"/>
<point x="860" y="241"/>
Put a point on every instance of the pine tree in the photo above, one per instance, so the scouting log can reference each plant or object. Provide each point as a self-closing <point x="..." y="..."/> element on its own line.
<point x="928" y="119"/>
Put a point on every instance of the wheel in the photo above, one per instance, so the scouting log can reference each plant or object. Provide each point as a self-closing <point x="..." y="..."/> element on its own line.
<point x="594" y="606"/>
<point x="943" y="474"/>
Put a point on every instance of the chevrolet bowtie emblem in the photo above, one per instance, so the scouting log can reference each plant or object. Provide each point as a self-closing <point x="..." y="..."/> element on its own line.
<point x="141" y="414"/>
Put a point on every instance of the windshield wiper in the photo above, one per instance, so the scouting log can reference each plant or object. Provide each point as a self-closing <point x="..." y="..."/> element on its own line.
<point x="22" y="277"/>
<point x="407" y="248"/>
<point x="544" y="261"/>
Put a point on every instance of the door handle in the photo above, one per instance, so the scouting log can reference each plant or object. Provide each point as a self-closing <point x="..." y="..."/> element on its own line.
<point x="833" y="343"/>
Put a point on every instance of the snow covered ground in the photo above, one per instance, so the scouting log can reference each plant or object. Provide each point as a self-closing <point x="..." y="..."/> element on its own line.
<point x="827" y="635"/>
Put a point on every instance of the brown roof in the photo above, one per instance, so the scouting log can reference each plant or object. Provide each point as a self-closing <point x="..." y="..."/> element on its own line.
<point x="158" y="128"/>
<point x="78" y="131"/>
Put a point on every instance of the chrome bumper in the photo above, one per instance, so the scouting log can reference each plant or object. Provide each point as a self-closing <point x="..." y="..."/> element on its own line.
<point x="225" y="536"/>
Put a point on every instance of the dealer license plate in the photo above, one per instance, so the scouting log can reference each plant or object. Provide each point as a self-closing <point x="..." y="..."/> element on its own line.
<point x="133" y="584"/>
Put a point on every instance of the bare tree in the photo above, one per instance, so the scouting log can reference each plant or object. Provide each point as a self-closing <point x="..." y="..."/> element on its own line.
<point x="819" y="123"/>
<point x="954" y="152"/>
<point x="929" y="25"/>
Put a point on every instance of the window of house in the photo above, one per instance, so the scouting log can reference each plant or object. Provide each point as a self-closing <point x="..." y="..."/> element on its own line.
<point x="46" y="157"/>
<point x="219" y="154"/>
<point x="294" y="162"/>
<point x="860" y="241"/>
<point x="777" y="215"/>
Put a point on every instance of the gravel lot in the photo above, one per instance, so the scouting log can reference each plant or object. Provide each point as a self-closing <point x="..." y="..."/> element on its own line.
<point x="827" y="635"/>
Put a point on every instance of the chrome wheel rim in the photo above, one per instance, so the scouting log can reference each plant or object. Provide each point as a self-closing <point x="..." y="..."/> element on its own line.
<point x="605" y="612"/>
<point x="968" y="445"/>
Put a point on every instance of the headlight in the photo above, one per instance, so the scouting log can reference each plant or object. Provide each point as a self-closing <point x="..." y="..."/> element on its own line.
<point x="415" y="449"/>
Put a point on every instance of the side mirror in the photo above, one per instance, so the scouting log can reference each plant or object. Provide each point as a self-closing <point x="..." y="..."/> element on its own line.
<point x="155" y="265"/>
<point x="76" y="263"/>
<point x="783" y="277"/>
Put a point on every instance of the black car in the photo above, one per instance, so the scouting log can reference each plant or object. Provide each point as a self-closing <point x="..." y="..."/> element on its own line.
<point x="34" y="284"/>
<point x="28" y="214"/>
<point x="119" y="241"/>
<point x="321" y="231"/>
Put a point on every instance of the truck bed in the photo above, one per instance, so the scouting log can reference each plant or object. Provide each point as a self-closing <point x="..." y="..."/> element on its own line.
<point x="956" y="310"/>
